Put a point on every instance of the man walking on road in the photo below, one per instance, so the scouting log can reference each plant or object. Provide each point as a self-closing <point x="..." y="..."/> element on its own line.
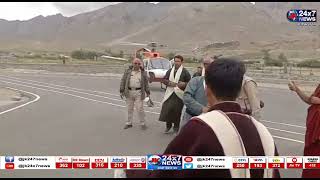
<point x="134" y="87"/>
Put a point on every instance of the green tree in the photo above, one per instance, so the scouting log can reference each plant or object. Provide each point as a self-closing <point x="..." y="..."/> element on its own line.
<point x="282" y="58"/>
<point x="268" y="61"/>
<point x="108" y="51"/>
<point x="171" y="55"/>
<point x="81" y="54"/>
<point x="309" y="63"/>
<point x="90" y="55"/>
<point x="266" y="56"/>
<point x="78" y="54"/>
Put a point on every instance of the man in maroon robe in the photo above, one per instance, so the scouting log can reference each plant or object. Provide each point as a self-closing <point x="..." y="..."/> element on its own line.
<point x="197" y="138"/>
<point x="312" y="137"/>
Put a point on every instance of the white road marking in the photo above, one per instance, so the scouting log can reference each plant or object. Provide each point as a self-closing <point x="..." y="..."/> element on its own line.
<point x="101" y="92"/>
<point x="284" y="124"/>
<point x="72" y="76"/>
<point x="288" y="139"/>
<point x="65" y="94"/>
<point x="36" y="99"/>
<point x="292" y="125"/>
<point x="279" y="137"/>
<point x="68" y="90"/>
<point x="292" y="132"/>
<point x="74" y="96"/>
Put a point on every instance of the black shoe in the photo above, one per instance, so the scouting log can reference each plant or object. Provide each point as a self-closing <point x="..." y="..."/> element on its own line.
<point x="127" y="126"/>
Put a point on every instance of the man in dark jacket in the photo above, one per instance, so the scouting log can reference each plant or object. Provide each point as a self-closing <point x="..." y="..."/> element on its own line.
<point x="176" y="80"/>
<point x="134" y="86"/>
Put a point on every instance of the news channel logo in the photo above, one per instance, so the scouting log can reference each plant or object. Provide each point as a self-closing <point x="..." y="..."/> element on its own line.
<point x="302" y="15"/>
<point x="118" y="160"/>
<point x="9" y="159"/>
<point x="164" y="162"/>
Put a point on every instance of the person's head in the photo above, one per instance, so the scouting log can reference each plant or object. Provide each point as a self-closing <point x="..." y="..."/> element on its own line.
<point x="136" y="63"/>
<point x="206" y="62"/>
<point x="199" y="69"/>
<point x="178" y="60"/>
<point x="224" y="80"/>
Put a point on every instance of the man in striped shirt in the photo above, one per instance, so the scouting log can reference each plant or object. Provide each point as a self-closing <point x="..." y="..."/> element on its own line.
<point x="223" y="131"/>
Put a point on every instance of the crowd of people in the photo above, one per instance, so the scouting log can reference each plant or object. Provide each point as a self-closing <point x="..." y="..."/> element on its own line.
<point x="214" y="113"/>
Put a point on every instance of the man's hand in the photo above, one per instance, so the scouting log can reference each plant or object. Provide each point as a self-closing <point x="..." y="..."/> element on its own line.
<point x="181" y="85"/>
<point x="172" y="84"/>
<point x="292" y="86"/>
<point x="205" y="109"/>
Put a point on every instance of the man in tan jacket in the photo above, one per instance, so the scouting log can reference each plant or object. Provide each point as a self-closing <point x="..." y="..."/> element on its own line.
<point x="248" y="98"/>
<point x="134" y="87"/>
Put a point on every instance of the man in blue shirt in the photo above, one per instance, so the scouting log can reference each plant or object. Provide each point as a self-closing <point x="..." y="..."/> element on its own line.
<point x="194" y="97"/>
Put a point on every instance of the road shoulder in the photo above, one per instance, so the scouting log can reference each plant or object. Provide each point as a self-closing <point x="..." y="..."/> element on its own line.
<point x="10" y="98"/>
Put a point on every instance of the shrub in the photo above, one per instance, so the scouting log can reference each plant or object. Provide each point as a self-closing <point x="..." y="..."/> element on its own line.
<point x="170" y="55"/>
<point x="309" y="63"/>
<point x="80" y="54"/>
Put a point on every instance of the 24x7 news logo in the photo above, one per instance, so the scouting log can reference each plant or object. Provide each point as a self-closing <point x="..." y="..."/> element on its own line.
<point x="302" y="15"/>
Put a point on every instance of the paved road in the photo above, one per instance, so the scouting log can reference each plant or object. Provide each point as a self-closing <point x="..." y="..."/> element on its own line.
<point x="83" y="115"/>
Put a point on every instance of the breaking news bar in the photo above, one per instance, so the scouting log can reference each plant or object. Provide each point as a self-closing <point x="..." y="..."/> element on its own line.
<point x="159" y="162"/>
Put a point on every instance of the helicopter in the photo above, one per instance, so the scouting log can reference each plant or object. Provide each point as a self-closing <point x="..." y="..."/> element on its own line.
<point x="154" y="64"/>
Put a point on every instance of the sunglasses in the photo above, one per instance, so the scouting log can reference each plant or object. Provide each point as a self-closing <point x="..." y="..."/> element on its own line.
<point x="137" y="63"/>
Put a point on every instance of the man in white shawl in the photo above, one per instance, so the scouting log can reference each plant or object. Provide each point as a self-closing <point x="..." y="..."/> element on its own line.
<point x="176" y="80"/>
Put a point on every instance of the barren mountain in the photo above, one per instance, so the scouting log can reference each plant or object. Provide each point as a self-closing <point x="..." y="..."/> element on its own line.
<point x="178" y="25"/>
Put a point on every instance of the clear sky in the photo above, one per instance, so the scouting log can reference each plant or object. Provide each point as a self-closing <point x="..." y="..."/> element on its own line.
<point x="28" y="10"/>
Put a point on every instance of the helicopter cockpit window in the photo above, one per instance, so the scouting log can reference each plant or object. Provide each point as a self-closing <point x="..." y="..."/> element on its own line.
<point x="159" y="63"/>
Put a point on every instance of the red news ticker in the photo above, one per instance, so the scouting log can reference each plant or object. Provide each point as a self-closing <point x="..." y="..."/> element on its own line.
<point x="258" y="165"/>
<point x="240" y="165"/>
<point x="275" y="165"/>
<point x="81" y="165"/>
<point x="138" y="165"/>
<point x="312" y="165"/>
<point x="95" y="165"/>
<point x="294" y="165"/>
<point x="64" y="165"/>
<point x="118" y="165"/>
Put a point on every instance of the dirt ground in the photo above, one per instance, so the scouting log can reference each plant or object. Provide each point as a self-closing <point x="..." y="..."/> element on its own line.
<point x="74" y="68"/>
<point x="8" y="96"/>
